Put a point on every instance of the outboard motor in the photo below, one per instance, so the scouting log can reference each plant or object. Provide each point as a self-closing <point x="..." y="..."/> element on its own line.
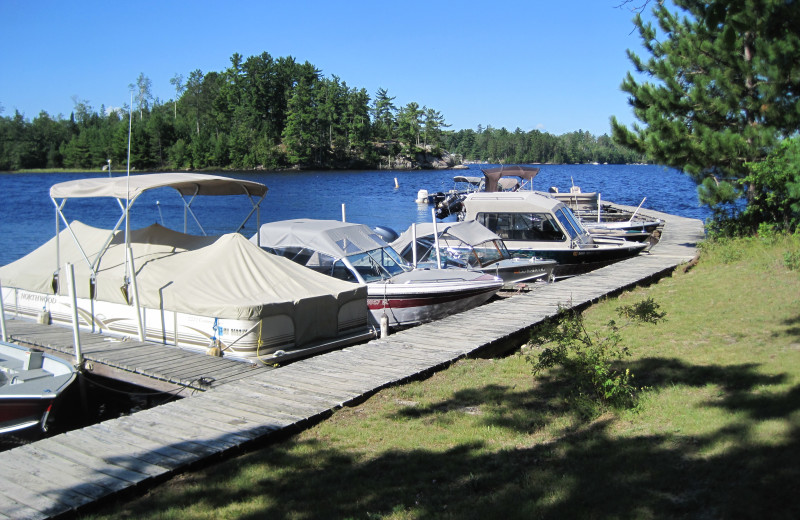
<point x="388" y="234"/>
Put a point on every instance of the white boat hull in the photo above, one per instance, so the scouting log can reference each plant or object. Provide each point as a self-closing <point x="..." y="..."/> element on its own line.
<point x="246" y="339"/>
<point x="406" y="304"/>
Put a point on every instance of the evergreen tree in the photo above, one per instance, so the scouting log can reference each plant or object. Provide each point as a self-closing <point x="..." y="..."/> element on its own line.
<point x="299" y="135"/>
<point x="384" y="115"/>
<point x="726" y="88"/>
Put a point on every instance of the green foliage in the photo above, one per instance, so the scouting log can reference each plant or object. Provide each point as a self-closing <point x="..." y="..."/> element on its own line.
<point x="261" y="112"/>
<point x="791" y="259"/>
<point x="587" y="360"/>
<point x="775" y="183"/>
<point x="724" y="92"/>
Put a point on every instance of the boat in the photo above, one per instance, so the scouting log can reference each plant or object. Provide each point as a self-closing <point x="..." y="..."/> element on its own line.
<point x="405" y="296"/>
<point x="472" y="246"/>
<point x="604" y="220"/>
<point x="449" y="202"/>
<point x="600" y="221"/>
<point x="216" y="294"/>
<point x="30" y="383"/>
<point x="533" y="224"/>
<point x="633" y="230"/>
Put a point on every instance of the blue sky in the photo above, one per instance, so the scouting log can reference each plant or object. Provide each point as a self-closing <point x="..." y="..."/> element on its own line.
<point x="537" y="64"/>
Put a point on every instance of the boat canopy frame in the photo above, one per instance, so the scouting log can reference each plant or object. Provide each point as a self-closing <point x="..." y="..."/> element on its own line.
<point x="126" y="190"/>
<point x="494" y="175"/>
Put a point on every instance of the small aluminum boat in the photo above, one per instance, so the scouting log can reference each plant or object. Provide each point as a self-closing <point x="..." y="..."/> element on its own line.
<point x="30" y="381"/>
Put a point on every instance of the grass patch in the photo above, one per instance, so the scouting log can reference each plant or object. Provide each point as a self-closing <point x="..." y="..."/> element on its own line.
<point x="717" y="435"/>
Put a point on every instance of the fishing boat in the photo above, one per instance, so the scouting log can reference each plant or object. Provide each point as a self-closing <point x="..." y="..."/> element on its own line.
<point x="217" y="294"/>
<point x="357" y="254"/>
<point x="472" y="246"/>
<point x="533" y="224"/>
<point x="30" y="383"/>
<point x="604" y="221"/>
<point x="449" y="202"/>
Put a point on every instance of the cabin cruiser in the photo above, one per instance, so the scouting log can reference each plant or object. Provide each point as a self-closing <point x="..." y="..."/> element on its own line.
<point x="472" y="246"/>
<point x="215" y="294"/>
<point x="357" y="254"/>
<point x="533" y="224"/>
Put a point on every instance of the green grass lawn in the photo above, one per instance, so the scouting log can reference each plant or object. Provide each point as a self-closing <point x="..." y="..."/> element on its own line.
<point x="716" y="434"/>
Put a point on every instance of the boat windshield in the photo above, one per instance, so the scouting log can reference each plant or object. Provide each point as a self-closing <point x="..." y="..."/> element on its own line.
<point x="568" y="220"/>
<point x="522" y="226"/>
<point x="378" y="264"/>
<point x="455" y="252"/>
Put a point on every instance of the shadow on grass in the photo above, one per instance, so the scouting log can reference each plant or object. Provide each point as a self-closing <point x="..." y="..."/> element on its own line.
<point x="586" y="473"/>
<point x="792" y="327"/>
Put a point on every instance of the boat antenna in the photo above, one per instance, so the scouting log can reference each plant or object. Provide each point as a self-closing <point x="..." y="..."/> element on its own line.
<point x="128" y="184"/>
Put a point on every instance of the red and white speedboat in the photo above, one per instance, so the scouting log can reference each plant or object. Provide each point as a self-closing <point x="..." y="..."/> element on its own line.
<point x="356" y="253"/>
<point x="30" y="382"/>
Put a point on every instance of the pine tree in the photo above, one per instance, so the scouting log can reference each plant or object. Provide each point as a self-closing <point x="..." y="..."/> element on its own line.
<point x="725" y="90"/>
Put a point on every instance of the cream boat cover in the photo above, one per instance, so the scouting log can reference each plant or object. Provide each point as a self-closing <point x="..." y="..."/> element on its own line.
<point x="220" y="277"/>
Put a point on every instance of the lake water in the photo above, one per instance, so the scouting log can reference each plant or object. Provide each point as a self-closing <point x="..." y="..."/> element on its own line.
<point x="27" y="215"/>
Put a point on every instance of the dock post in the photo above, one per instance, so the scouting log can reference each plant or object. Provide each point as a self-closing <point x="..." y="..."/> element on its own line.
<point x="3" y="335"/>
<point x="76" y="337"/>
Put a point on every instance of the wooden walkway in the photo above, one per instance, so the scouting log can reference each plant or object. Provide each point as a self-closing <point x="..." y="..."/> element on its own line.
<point x="152" y="365"/>
<point x="64" y="473"/>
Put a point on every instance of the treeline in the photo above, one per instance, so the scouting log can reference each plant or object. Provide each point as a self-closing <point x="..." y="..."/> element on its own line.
<point x="267" y="113"/>
<point x="259" y="113"/>
<point x="493" y="145"/>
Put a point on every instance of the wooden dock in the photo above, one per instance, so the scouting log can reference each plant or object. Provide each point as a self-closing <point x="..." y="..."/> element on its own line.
<point x="67" y="472"/>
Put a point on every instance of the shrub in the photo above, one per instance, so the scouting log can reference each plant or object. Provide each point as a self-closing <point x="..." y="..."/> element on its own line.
<point x="588" y="361"/>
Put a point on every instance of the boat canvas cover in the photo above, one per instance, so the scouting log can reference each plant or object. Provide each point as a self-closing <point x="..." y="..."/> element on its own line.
<point x="493" y="175"/>
<point x="330" y="237"/>
<point x="470" y="232"/>
<point x="130" y="187"/>
<point x="223" y="277"/>
<point x="475" y="181"/>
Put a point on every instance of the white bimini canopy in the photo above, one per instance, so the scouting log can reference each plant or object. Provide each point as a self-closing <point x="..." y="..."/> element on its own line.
<point x="129" y="188"/>
<point x="470" y="232"/>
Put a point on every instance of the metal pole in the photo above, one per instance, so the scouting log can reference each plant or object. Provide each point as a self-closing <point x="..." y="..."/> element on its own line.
<point x="135" y="295"/>
<point x="637" y="210"/>
<point x="598" y="206"/>
<point x="414" y="244"/>
<point x="76" y="337"/>
<point x="343" y="219"/>
<point x="3" y="335"/>
<point x="436" y="240"/>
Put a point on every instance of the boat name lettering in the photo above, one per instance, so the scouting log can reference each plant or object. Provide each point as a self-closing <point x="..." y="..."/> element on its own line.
<point x="237" y="332"/>
<point x="43" y="298"/>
